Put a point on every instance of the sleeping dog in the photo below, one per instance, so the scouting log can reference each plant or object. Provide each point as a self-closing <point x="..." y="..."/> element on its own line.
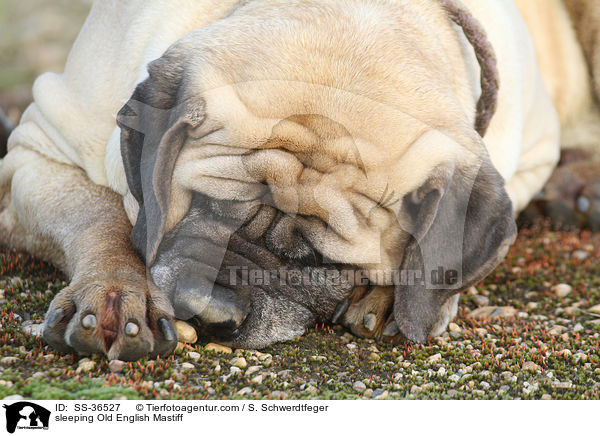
<point x="255" y="167"/>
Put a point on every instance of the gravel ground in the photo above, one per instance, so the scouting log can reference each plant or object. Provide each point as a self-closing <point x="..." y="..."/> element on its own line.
<point x="517" y="335"/>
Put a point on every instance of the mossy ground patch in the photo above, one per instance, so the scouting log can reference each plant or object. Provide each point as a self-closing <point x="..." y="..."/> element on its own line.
<point x="549" y="349"/>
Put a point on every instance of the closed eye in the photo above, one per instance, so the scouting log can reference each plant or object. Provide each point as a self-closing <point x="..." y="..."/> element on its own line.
<point x="387" y="199"/>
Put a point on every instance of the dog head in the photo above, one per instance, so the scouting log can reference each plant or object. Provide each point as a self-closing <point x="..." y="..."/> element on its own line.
<point x="265" y="178"/>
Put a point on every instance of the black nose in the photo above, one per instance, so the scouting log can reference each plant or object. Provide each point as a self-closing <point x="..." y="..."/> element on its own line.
<point x="216" y="310"/>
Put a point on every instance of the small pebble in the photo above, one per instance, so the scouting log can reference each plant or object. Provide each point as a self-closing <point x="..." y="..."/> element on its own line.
<point x="595" y="309"/>
<point x="368" y="393"/>
<point x="16" y="281"/>
<point x="245" y="391"/>
<point x="486" y="312"/>
<point x="481" y="300"/>
<point x="285" y="374"/>
<point x="85" y="365"/>
<point x="530" y="366"/>
<point x="257" y="380"/>
<point x="9" y="360"/>
<point x="557" y="330"/>
<point x="359" y="386"/>
<point x="187" y="366"/>
<point x="217" y="348"/>
<point x="563" y="385"/>
<point x="379" y="394"/>
<point x="374" y="356"/>
<point x="562" y="289"/>
<point x="263" y="356"/>
<point x="116" y="365"/>
<point x="252" y="369"/>
<point x="33" y="329"/>
<point x="472" y="291"/>
<point x="454" y="327"/>
<point x="194" y="356"/>
<point x="240" y="362"/>
<point x="311" y="390"/>
<point x="434" y="358"/>
<point x="318" y="358"/>
<point x="565" y="352"/>
<point x="13" y="398"/>
<point x="185" y="332"/>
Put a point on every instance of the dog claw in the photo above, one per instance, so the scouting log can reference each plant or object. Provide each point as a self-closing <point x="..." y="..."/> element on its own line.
<point x="391" y="329"/>
<point x="89" y="322"/>
<point x="132" y="329"/>
<point x="583" y="204"/>
<point x="340" y="310"/>
<point x="369" y="321"/>
<point x="55" y="317"/>
<point x="167" y="330"/>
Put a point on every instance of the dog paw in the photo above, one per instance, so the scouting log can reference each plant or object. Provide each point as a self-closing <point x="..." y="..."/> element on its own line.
<point x="571" y="198"/>
<point x="123" y="318"/>
<point x="370" y="313"/>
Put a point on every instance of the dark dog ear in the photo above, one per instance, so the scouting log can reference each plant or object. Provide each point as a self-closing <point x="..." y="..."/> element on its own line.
<point x="154" y="126"/>
<point x="461" y="229"/>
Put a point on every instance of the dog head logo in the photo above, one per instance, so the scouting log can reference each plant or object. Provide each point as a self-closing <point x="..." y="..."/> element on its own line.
<point x="26" y="415"/>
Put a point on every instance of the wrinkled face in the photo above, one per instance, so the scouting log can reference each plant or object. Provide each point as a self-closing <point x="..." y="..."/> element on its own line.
<point x="260" y="201"/>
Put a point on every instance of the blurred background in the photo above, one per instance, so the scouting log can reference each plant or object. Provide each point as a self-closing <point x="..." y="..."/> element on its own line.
<point x="35" y="36"/>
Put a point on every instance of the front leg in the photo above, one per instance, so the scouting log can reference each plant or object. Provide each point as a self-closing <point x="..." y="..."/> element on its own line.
<point x="111" y="306"/>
